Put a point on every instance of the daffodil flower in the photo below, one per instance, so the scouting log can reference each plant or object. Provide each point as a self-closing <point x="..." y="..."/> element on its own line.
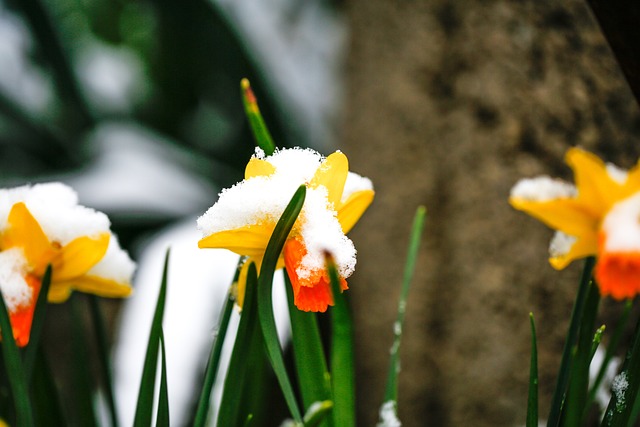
<point x="245" y="215"/>
<point x="598" y="216"/>
<point x="43" y="225"/>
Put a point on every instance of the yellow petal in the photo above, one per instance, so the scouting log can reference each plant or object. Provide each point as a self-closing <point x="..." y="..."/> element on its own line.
<point x="596" y="189"/>
<point x="566" y="215"/>
<point x="25" y="232"/>
<point x="102" y="287"/>
<point x="581" y="248"/>
<point x="353" y="208"/>
<point x="78" y="256"/>
<point x="258" y="167"/>
<point x="241" y="285"/>
<point x="332" y="174"/>
<point x="250" y="240"/>
<point x="59" y="292"/>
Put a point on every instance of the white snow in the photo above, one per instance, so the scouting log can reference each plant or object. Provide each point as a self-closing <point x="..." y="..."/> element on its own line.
<point x="54" y="206"/>
<point x="561" y="244"/>
<point x="542" y="189"/>
<point x="388" y="415"/>
<point x="15" y="290"/>
<point x="621" y="226"/>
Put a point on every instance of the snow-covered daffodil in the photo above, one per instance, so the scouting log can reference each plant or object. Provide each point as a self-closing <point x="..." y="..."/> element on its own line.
<point x="43" y="225"/>
<point x="245" y="215"/>
<point x="599" y="216"/>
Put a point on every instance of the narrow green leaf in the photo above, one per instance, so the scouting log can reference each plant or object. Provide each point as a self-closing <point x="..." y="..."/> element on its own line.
<point x="15" y="370"/>
<point x="100" y="332"/>
<point x="597" y="338"/>
<point x="579" y="381"/>
<point x="82" y="386"/>
<point x="162" y="419"/>
<point x="532" y="401"/>
<point x="229" y="412"/>
<point x="265" y="304"/>
<point x="144" y="408"/>
<point x="625" y="388"/>
<point x="341" y="353"/>
<point x="317" y="413"/>
<point x="212" y="366"/>
<point x="37" y="324"/>
<point x="612" y="349"/>
<point x="572" y="336"/>
<point x="258" y="126"/>
<point x="391" y="390"/>
<point x="308" y="354"/>
<point x="258" y="391"/>
<point x="47" y="404"/>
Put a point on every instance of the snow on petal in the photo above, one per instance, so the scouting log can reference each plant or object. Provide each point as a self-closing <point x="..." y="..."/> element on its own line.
<point x="542" y="189"/>
<point x="13" y="269"/>
<point x="621" y="227"/>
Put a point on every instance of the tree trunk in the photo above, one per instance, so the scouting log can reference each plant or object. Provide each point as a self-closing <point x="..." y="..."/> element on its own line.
<point x="449" y="104"/>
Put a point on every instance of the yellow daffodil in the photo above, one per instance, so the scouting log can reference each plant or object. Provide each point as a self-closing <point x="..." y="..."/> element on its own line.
<point x="598" y="216"/>
<point x="245" y="216"/>
<point x="74" y="240"/>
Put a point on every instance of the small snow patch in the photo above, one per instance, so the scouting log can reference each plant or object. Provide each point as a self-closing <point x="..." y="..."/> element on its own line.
<point x="388" y="415"/>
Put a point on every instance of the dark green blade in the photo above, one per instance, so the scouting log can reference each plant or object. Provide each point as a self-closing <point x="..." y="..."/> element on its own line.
<point x="144" y="408"/>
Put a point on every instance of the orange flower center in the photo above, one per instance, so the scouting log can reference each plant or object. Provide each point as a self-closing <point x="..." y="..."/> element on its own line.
<point x="618" y="273"/>
<point x="22" y="317"/>
<point x="312" y="292"/>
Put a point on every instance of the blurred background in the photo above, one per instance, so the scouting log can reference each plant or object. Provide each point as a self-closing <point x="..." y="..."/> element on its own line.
<point x="441" y="102"/>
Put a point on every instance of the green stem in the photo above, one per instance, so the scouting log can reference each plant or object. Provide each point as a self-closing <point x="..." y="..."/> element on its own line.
<point x="100" y="331"/>
<point x="212" y="366"/>
<point x="532" y="402"/>
<point x="572" y="336"/>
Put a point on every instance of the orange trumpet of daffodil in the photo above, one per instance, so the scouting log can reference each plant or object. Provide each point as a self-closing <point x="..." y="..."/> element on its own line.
<point x="598" y="216"/>
<point x="245" y="216"/>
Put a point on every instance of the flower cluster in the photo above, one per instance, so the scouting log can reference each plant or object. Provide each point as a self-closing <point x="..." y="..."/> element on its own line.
<point x="599" y="215"/>
<point x="245" y="215"/>
<point x="43" y="225"/>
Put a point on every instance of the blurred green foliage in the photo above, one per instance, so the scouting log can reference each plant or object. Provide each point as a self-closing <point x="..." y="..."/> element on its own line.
<point x="192" y="61"/>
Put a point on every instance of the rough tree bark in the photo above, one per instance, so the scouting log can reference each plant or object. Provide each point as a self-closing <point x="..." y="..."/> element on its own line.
<point x="449" y="104"/>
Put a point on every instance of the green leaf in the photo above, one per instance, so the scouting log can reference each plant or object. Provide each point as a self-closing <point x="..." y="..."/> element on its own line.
<point x="258" y="126"/>
<point x="100" y="332"/>
<point x="308" y="354"/>
<point x="341" y="353"/>
<point x="144" y="408"/>
<point x="317" y="413"/>
<point x="82" y="386"/>
<point x="212" y="366"/>
<point x="46" y="398"/>
<point x="612" y="349"/>
<point x="162" y="419"/>
<point x="562" y="382"/>
<point x="597" y="339"/>
<point x="391" y="390"/>
<point x="15" y="370"/>
<point x="229" y="413"/>
<point x="39" y="315"/>
<point x="265" y="304"/>
<point x="579" y="381"/>
<point x="532" y="401"/>
<point x="625" y="388"/>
